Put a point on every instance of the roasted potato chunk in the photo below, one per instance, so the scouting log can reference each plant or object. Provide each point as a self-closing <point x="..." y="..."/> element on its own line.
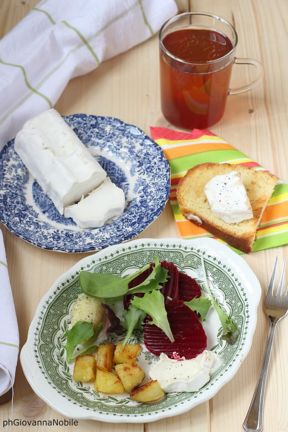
<point x="105" y="355"/>
<point x="84" y="368"/>
<point x="108" y="382"/>
<point x="131" y="375"/>
<point x="127" y="353"/>
<point x="148" y="393"/>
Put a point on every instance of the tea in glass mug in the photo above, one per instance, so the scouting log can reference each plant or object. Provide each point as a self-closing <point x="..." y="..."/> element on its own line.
<point x="197" y="52"/>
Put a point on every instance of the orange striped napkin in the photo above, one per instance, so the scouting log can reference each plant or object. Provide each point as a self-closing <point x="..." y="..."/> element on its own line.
<point x="184" y="150"/>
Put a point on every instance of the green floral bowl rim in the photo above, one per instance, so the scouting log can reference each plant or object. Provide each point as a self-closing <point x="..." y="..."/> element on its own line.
<point x="251" y="293"/>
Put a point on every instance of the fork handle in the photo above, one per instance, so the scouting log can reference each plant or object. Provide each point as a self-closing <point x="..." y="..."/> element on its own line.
<point x="254" y="419"/>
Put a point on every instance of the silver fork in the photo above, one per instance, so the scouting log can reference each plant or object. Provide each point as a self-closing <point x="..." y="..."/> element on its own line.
<point x="275" y="307"/>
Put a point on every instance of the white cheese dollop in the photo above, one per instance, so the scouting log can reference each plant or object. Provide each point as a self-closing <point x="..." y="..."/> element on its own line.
<point x="101" y="205"/>
<point x="59" y="161"/>
<point x="228" y="198"/>
<point x="183" y="375"/>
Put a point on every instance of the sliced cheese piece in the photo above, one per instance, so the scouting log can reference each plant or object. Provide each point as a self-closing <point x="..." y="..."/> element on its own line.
<point x="59" y="161"/>
<point x="101" y="205"/>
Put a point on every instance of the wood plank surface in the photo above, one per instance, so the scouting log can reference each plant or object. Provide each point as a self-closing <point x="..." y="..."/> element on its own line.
<point x="256" y="122"/>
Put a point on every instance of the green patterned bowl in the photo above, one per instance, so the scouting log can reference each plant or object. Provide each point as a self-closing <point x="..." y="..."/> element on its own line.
<point x="43" y="357"/>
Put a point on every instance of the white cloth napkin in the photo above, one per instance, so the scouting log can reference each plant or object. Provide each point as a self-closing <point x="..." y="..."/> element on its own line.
<point x="9" y="337"/>
<point x="59" y="40"/>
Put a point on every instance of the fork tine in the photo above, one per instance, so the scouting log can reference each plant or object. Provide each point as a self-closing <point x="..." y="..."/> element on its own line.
<point x="279" y="289"/>
<point x="272" y="280"/>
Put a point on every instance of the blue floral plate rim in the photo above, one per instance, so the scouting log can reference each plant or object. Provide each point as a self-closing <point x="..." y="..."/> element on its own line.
<point x="132" y="160"/>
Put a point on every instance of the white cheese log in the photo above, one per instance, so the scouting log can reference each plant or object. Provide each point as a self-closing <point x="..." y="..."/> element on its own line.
<point x="59" y="161"/>
<point x="101" y="205"/>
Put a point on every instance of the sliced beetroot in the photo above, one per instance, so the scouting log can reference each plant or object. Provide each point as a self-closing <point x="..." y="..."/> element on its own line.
<point x="136" y="281"/>
<point x="140" y="278"/>
<point x="190" y="337"/>
<point x="170" y="288"/>
<point x="188" y="287"/>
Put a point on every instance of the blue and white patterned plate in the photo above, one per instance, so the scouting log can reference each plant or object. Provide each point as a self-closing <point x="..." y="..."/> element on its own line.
<point x="131" y="159"/>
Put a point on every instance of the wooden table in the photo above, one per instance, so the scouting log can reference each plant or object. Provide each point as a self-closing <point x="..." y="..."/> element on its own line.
<point x="256" y="122"/>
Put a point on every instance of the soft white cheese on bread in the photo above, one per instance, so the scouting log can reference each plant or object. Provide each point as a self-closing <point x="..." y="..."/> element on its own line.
<point x="101" y="205"/>
<point x="59" y="161"/>
<point x="228" y="198"/>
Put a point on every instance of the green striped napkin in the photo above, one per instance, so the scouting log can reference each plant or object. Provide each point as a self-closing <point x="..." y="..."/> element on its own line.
<point x="61" y="39"/>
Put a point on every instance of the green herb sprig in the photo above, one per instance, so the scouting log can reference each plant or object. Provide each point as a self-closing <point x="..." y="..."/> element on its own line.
<point x="82" y="334"/>
<point x="230" y="331"/>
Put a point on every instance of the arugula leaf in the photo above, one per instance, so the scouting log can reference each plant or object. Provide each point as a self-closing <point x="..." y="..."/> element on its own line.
<point x="107" y="285"/>
<point x="133" y="317"/>
<point x="80" y="333"/>
<point x="102" y="285"/>
<point x="155" y="274"/>
<point x="132" y="276"/>
<point x="155" y="280"/>
<point x="230" y="331"/>
<point x="153" y="304"/>
<point x="201" y="305"/>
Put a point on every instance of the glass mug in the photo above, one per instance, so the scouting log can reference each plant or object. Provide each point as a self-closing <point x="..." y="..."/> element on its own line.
<point x="197" y="52"/>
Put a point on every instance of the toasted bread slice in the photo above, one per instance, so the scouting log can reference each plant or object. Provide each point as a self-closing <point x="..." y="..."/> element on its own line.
<point x="195" y="206"/>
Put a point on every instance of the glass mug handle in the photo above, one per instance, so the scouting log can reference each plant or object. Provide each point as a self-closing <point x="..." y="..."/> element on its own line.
<point x="258" y="69"/>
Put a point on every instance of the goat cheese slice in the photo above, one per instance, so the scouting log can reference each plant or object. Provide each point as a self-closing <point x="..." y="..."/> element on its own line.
<point x="101" y="205"/>
<point x="59" y="161"/>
